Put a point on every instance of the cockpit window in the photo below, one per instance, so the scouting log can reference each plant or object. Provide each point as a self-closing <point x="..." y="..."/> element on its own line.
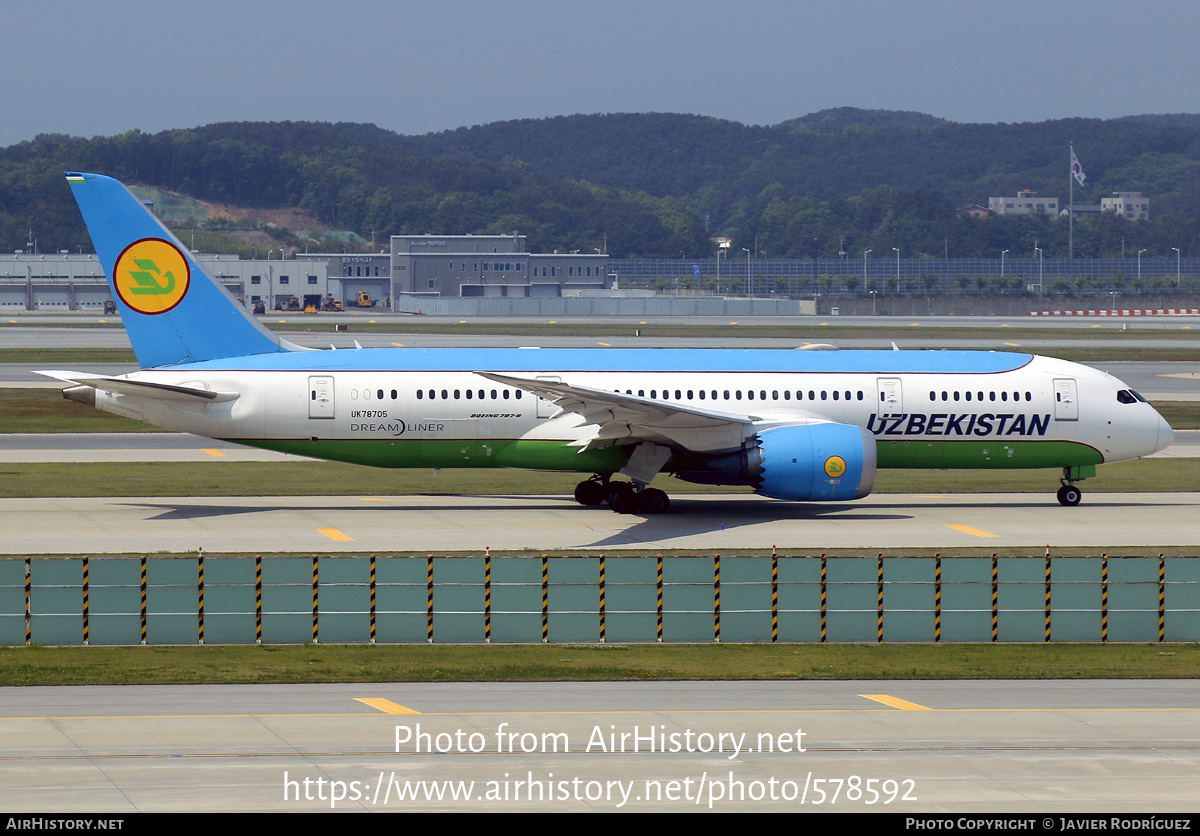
<point x="1129" y="396"/>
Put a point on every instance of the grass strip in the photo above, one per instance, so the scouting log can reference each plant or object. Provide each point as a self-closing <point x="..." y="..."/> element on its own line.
<point x="224" y="478"/>
<point x="588" y="663"/>
<point x="47" y="411"/>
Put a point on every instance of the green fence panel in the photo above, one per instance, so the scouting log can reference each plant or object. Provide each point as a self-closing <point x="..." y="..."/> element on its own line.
<point x="575" y="599"/>
<point x="967" y="599"/>
<point x="401" y="599"/>
<point x="799" y="599"/>
<point x="56" y="601"/>
<point x="12" y="602"/>
<point x="229" y="601"/>
<point x="1133" y="599"/>
<point x="1022" y="599"/>
<point x="114" y="601"/>
<point x="688" y="601"/>
<point x="458" y="599"/>
<point x="1075" y="597"/>
<point x="631" y="599"/>
<point x="851" y="600"/>
<point x="908" y="599"/>
<point x="172" y="601"/>
<point x="1182" y="598"/>
<point x="746" y="599"/>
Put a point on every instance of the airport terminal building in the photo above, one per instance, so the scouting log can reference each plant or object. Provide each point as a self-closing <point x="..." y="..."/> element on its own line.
<point x="422" y="266"/>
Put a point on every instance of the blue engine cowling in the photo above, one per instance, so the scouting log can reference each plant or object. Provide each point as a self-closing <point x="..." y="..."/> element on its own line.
<point x="815" y="461"/>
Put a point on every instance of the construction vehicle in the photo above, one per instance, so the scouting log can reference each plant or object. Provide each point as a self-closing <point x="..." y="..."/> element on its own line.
<point x="365" y="300"/>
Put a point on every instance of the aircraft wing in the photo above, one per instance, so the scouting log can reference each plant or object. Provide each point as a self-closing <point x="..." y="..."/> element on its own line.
<point x="141" y="388"/>
<point x="627" y="419"/>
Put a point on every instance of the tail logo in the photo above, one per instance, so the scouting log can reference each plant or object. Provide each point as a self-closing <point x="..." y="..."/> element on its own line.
<point x="835" y="467"/>
<point x="152" y="276"/>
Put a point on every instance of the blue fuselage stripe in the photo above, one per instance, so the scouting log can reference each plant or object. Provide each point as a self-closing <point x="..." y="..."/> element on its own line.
<point x="879" y="363"/>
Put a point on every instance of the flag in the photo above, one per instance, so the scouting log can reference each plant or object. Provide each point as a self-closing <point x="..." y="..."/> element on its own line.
<point x="1076" y="168"/>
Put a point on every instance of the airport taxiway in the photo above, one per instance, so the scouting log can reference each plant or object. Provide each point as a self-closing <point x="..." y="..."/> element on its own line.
<point x="1000" y="746"/>
<point x="707" y="523"/>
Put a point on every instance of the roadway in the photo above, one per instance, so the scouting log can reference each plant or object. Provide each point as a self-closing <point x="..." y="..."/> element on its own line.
<point x="703" y="523"/>
<point x="1086" y="747"/>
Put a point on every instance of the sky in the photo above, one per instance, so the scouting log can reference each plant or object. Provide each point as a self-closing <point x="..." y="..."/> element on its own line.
<point x="102" y="68"/>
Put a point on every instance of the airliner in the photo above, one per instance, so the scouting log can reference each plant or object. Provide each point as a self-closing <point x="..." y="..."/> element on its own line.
<point x="792" y="424"/>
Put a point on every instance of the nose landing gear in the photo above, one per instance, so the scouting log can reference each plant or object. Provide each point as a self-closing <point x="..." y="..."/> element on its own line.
<point x="1070" y="494"/>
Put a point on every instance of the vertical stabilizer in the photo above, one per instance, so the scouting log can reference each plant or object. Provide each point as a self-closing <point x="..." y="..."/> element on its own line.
<point x="174" y="312"/>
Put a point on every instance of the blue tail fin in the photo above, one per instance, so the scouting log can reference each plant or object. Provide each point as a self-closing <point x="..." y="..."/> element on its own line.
<point x="173" y="311"/>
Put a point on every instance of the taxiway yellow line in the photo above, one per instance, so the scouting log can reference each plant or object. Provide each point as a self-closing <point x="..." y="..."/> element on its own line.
<point x="896" y="702"/>
<point x="966" y="529"/>
<point x="386" y="706"/>
<point x="212" y="451"/>
<point x="334" y="534"/>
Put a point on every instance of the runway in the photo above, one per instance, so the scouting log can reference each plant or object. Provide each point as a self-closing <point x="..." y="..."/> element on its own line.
<point x="901" y="747"/>
<point x="552" y="524"/>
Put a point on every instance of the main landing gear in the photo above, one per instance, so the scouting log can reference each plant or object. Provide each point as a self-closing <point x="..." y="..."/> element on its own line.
<point x="622" y="497"/>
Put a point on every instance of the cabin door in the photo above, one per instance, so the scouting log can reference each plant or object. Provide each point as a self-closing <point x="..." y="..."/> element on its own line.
<point x="320" y="396"/>
<point x="1066" y="399"/>
<point x="891" y="396"/>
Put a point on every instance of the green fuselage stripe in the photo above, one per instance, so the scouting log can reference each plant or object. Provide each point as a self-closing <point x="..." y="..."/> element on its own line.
<point x="559" y="455"/>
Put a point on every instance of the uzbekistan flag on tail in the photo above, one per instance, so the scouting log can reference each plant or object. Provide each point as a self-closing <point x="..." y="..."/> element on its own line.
<point x="1076" y="168"/>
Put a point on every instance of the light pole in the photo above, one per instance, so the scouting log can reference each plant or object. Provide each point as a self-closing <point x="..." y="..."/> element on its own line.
<point x="874" y="296"/>
<point x="749" y="284"/>
<point x="1002" y="254"/>
<point x="1041" y="274"/>
<point x="1177" y="279"/>
<point x="897" y="249"/>
<point x="865" y="254"/>
<point x="1140" y="265"/>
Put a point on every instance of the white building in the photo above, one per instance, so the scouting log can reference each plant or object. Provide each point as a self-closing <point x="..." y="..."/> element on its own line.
<point x="1129" y="205"/>
<point x="1024" y="203"/>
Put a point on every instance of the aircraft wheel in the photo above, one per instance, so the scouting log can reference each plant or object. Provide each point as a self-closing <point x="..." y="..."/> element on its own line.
<point x="623" y="498"/>
<point x="590" y="493"/>
<point x="655" y="501"/>
<point x="1069" y="495"/>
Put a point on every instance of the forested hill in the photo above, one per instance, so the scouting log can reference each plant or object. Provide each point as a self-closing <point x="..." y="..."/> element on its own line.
<point x="649" y="184"/>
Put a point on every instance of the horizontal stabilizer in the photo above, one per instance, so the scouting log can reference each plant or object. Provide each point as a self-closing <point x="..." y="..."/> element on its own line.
<point x="141" y="388"/>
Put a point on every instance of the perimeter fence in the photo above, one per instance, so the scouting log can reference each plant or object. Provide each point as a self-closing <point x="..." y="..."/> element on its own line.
<point x="772" y="598"/>
<point x="909" y="276"/>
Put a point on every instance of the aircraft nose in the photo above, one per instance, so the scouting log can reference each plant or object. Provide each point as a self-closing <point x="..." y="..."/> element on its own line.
<point x="1166" y="435"/>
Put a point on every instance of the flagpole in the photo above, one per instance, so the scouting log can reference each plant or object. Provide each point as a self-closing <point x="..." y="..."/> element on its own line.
<point x="1071" y="204"/>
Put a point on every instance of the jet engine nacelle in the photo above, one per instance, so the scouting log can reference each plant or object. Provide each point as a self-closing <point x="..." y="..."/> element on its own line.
<point x="815" y="462"/>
